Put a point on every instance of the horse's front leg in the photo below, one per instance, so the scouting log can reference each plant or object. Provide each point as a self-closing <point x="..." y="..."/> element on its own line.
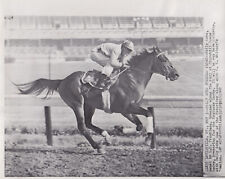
<point x="136" y="109"/>
<point x="134" y="119"/>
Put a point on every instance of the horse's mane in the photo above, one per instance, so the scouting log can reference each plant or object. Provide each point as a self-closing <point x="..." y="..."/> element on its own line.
<point x="138" y="57"/>
<point x="131" y="81"/>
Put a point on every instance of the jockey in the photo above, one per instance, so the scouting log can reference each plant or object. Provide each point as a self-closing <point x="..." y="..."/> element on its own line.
<point x="112" y="56"/>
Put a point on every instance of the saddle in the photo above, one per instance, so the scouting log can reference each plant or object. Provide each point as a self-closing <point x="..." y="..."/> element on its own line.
<point x="96" y="79"/>
<point x="94" y="82"/>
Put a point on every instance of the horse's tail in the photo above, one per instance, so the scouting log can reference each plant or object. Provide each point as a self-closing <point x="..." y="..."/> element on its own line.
<point x="38" y="86"/>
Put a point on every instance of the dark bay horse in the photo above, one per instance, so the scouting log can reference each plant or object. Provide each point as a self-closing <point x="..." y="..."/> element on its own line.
<point x="125" y="94"/>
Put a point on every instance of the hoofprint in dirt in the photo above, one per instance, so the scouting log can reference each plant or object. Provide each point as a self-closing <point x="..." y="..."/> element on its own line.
<point x="128" y="156"/>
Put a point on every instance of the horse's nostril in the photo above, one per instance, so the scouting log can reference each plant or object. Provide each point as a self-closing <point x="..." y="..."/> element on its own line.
<point x="177" y="75"/>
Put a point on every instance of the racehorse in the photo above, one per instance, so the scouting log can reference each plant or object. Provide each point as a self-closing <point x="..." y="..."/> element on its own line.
<point x="126" y="93"/>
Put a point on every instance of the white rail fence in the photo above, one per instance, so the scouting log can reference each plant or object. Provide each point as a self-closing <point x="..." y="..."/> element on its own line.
<point x="148" y="101"/>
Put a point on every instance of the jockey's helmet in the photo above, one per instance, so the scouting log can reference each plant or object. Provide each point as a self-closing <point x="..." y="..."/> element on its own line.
<point x="128" y="44"/>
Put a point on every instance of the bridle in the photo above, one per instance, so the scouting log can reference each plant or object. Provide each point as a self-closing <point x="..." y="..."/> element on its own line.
<point x="137" y="69"/>
<point x="157" y="58"/>
<point x="140" y="70"/>
<point x="161" y="53"/>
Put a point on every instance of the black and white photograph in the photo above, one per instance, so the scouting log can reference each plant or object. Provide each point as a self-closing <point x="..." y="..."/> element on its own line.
<point x="108" y="93"/>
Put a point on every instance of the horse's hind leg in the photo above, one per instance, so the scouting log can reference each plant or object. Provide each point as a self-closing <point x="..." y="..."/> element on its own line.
<point x="69" y="91"/>
<point x="88" y="114"/>
<point x="82" y="128"/>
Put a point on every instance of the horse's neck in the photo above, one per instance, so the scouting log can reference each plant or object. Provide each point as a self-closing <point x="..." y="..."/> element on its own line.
<point x="143" y="77"/>
<point x="136" y="78"/>
<point x="148" y="79"/>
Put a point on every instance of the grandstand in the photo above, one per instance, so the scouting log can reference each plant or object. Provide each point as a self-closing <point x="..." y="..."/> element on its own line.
<point x="126" y="22"/>
<point x="73" y="37"/>
<point x="109" y="23"/>
<point x="176" y="22"/>
<point x="160" y="22"/>
<point x="76" y="23"/>
<point x="92" y="23"/>
<point x="143" y="23"/>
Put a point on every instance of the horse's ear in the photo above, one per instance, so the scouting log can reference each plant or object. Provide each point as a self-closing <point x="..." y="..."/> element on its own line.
<point x="157" y="49"/>
<point x="150" y="50"/>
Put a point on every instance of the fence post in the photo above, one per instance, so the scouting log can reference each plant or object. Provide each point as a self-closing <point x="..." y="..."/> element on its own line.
<point x="152" y="129"/>
<point x="153" y="144"/>
<point x="48" y="124"/>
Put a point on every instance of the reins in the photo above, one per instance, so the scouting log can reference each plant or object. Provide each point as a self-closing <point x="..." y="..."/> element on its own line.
<point x="136" y="69"/>
<point x="119" y="73"/>
<point x="130" y="68"/>
<point x="161" y="53"/>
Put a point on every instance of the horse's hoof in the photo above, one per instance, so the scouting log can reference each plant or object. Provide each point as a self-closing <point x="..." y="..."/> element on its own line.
<point x="148" y="142"/>
<point x="101" y="151"/>
<point x="108" y="141"/>
<point x="139" y="127"/>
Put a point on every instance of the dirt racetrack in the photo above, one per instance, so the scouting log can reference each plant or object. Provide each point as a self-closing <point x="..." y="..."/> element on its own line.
<point x="130" y="160"/>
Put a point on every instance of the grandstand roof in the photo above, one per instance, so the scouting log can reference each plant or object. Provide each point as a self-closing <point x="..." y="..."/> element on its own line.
<point x="60" y="27"/>
<point x="104" y="8"/>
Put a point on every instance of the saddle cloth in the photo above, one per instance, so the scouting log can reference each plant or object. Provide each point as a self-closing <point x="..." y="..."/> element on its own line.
<point x="91" y="79"/>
